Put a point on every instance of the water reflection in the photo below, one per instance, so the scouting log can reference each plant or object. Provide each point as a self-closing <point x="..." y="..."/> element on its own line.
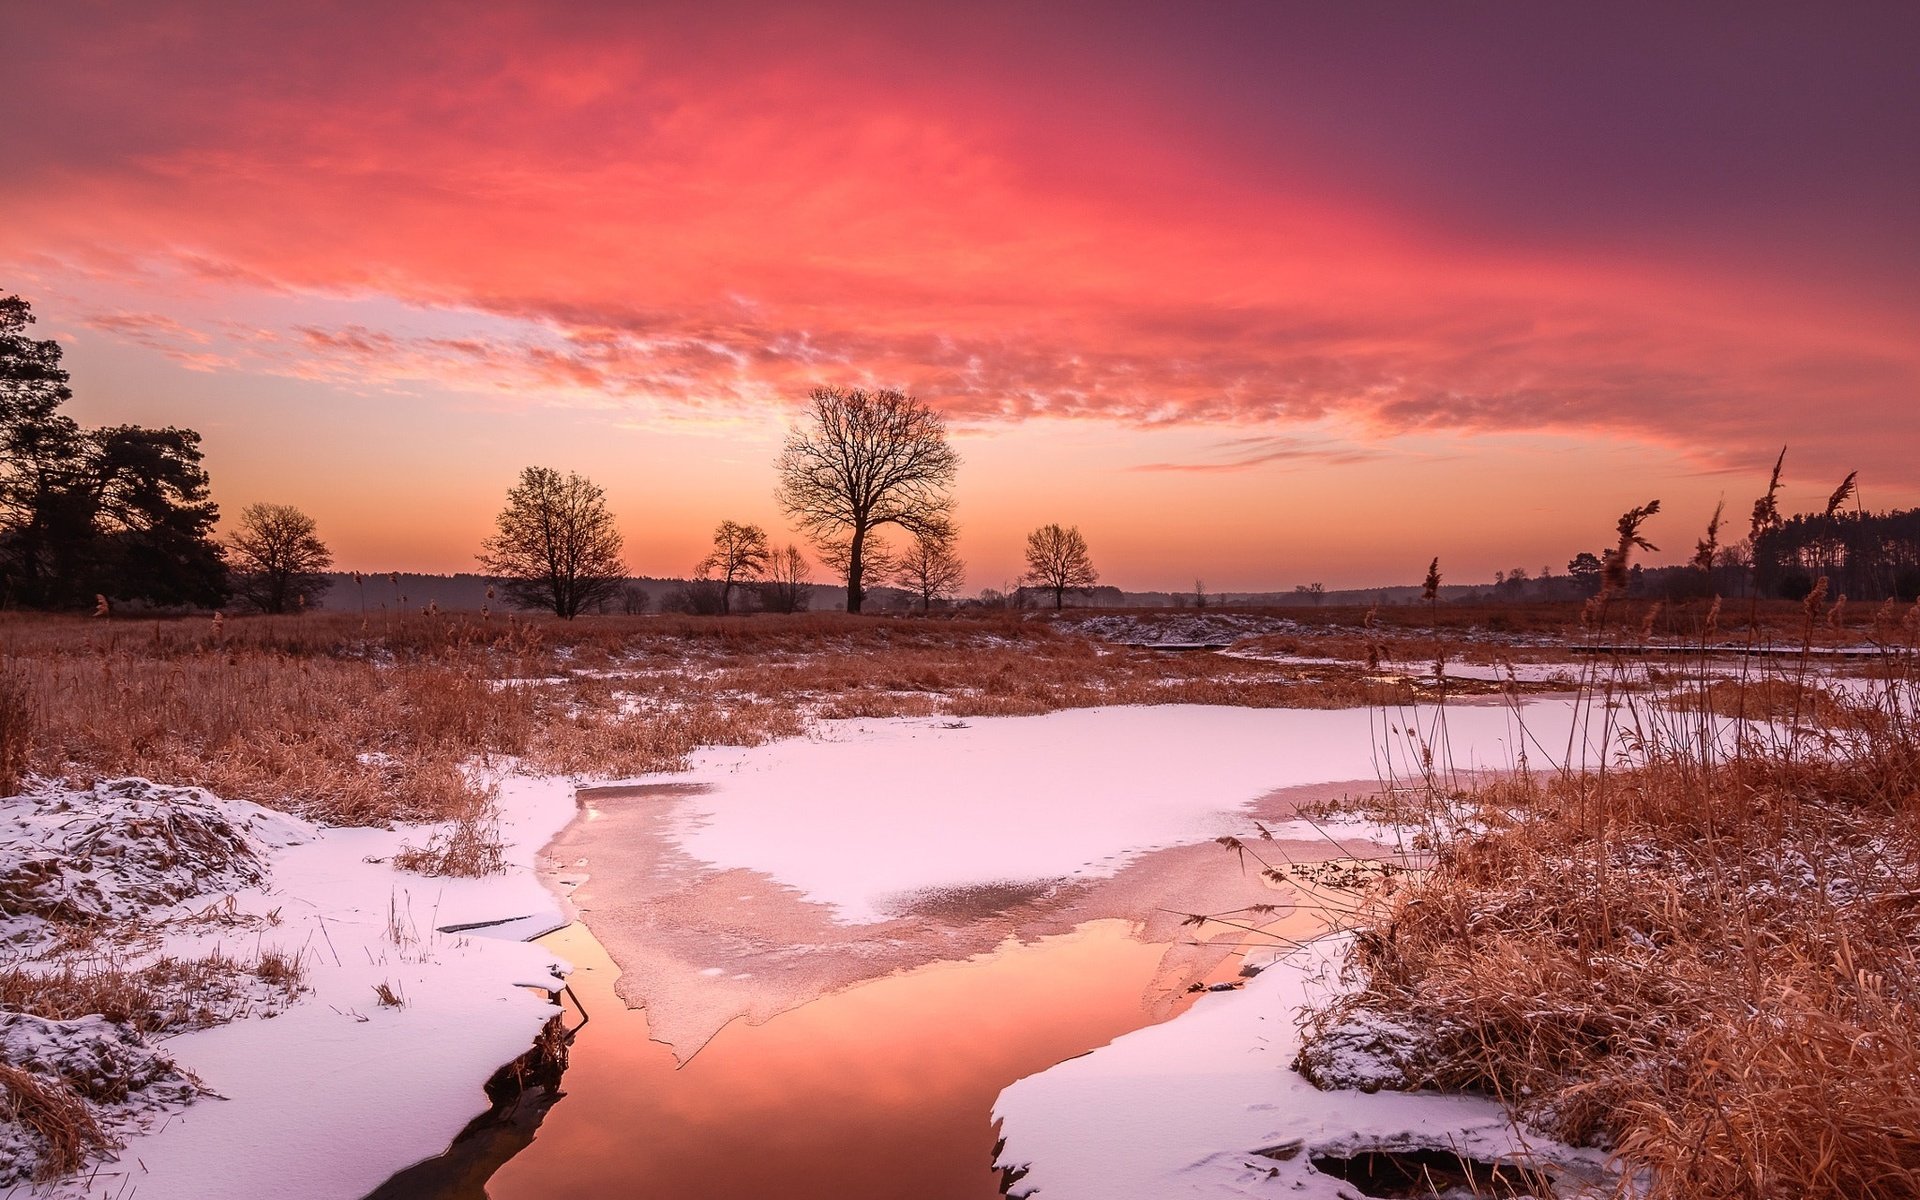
<point x="882" y="1090"/>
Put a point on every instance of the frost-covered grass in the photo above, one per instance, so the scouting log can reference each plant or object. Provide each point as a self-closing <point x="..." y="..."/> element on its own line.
<point x="188" y="981"/>
<point x="369" y="722"/>
<point x="1206" y="1106"/>
<point x="1702" y="955"/>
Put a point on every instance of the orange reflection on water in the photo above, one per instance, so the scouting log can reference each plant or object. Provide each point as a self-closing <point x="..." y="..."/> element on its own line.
<point x="882" y="1090"/>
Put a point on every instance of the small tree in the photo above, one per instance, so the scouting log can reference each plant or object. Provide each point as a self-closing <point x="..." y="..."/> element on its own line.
<point x="787" y="585"/>
<point x="1058" y="562"/>
<point x="740" y="554"/>
<point x="278" y="559"/>
<point x="931" y="569"/>
<point x="859" y="461"/>
<point x="1584" y="569"/>
<point x="556" y="547"/>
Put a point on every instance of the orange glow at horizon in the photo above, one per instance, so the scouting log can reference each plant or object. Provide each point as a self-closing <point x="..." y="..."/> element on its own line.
<point x="1255" y="325"/>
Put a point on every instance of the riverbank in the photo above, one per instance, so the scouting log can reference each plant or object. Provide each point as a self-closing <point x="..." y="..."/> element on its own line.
<point x="392" y="1024"/>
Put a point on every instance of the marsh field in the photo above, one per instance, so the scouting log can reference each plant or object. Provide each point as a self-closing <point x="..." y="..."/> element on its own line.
<point x="1553" y="900"/>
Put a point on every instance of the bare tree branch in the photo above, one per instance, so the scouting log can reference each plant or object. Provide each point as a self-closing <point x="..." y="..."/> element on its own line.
<point x="740" y="554"/>
<point x="556" y="546"/>
<point x="278" y="559"/>
<point x="1057" y="560"/>
<point x="861" y="460"/>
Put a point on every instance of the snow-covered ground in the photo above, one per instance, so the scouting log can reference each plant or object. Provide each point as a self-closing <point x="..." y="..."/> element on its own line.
<point x="1178" y="628"/>
<point x="866" y="812"/>
<point x="332" y="1095"/>
<point x="1207" y="1105"/>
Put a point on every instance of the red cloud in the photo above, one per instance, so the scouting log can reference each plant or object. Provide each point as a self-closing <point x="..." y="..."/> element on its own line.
<point x="685" y="212"/>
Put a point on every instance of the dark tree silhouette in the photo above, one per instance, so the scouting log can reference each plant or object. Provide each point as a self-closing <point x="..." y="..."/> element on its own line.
<point x="33" y="384"/>
<point x="149" y="496"/>
<point x="278" y="559"/>
<point x="1058" y="562"/>
<point x="121" y="512"/>
<point x="859" y="461"/>
<point x="556" y="546"/>
<point x="787" y="585"/>
<point x="740" y="554"/>
<point x="1584" y="569"/>
<point x="1864" y="555"/>
<point x="931" y="569"/>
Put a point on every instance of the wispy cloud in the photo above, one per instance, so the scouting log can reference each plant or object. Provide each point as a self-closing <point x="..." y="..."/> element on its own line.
<point x="1244" y="454"/>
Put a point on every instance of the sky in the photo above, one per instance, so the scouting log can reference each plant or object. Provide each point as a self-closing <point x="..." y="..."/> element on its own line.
<point x="1258" y="293"/>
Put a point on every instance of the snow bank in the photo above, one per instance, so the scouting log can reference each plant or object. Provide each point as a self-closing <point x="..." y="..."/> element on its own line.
<point x="867" y="813"/>
<point x="123" y="1082"/>
<point x="123" y="848"/>
<point x="1206" y="1105"/>
<point x="329" y="1098"/>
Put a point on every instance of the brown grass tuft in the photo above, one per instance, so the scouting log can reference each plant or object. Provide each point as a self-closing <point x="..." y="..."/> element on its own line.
<point x="1708" y="961"/>
<point x="18" y="719"/>
<point x="54" y="1112"/>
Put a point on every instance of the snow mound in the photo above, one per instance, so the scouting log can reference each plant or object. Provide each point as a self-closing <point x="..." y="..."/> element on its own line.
<point x="124" y="847"/>
<point x="122" y="1080"/>
<point x="1365" y="1052"/>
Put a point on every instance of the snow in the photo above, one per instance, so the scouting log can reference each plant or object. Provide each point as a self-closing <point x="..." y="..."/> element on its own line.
<point x="329" y="1098"/>
<point x="869" y="812"/>
<point x="133" y="1083"/>
<point x="1207" y="1105"/>
<point x="124" y="846"/>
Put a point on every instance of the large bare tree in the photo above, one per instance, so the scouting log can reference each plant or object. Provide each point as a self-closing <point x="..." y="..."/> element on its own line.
<point x="862" y="460"/>
<point x="931" y="569"/>
<point x="740" y="554"/>
<point x="1058" y="562"/>
<point x="555" y="546"/>
<point x="277" y="557"/>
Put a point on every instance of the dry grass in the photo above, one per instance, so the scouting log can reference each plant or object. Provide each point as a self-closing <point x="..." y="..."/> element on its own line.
<point x="17" y="722"/>
<point x="169" y="994"/>
<point x="467" y="846"/>
<point x="56" y="1112"/>
<point x="371" y="722"/>
<point x="1709" y="962"/>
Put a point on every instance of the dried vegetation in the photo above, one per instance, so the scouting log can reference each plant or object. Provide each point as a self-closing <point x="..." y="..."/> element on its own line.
<point x="1699" y="951"/>
<point x="365" y="722"/>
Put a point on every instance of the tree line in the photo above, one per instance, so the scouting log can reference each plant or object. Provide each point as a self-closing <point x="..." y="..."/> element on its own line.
<point x="858" y="467"/>
<point x="94" y="518"/>
<point x="122" y="515"/>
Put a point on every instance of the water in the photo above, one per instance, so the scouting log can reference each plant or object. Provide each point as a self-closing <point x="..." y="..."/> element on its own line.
<point x="881" y="1090"/>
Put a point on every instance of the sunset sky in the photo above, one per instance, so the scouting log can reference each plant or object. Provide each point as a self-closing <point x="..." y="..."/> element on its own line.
<point x="1267" y="293"/>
